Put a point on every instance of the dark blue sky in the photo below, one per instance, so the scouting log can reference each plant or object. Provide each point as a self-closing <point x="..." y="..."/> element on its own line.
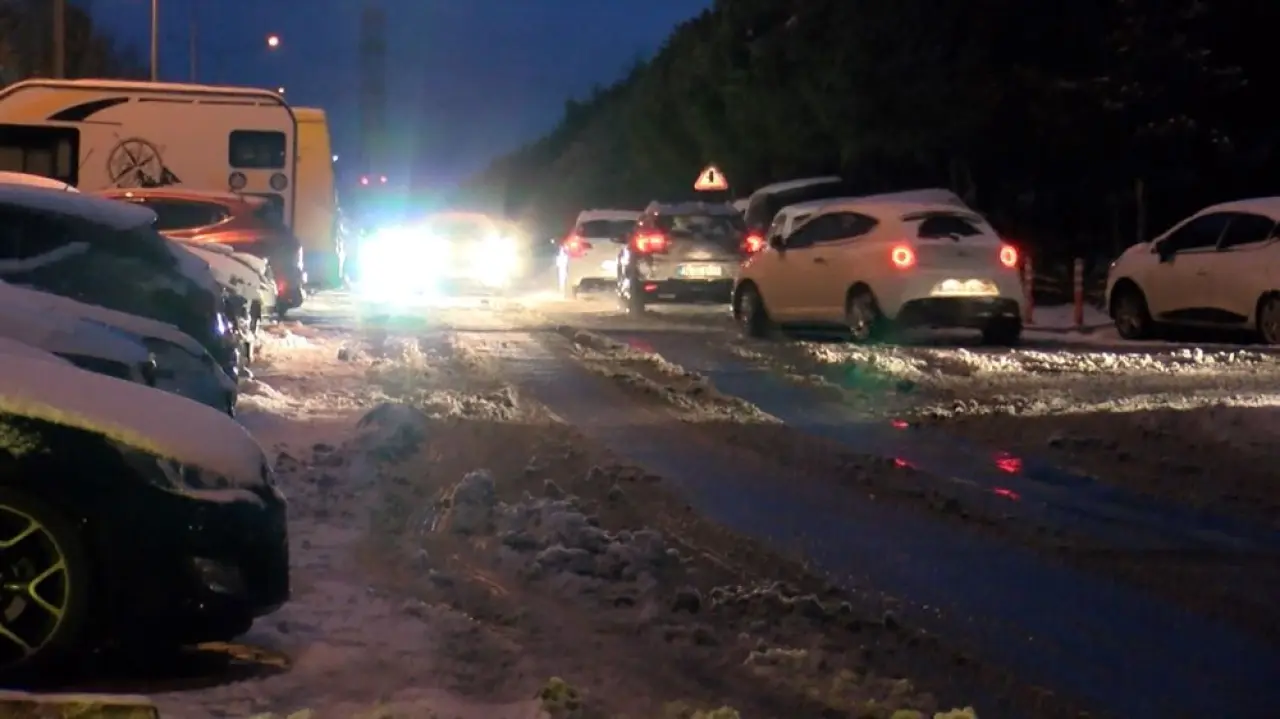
<point x="467" y="79"/>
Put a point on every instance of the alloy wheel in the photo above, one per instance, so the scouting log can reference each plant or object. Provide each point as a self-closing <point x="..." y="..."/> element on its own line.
<point x="35" y="587"/>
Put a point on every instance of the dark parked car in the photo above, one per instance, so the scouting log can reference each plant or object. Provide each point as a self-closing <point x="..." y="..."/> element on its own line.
<point x="127" y="512"/>
<point x="108" y="253"/>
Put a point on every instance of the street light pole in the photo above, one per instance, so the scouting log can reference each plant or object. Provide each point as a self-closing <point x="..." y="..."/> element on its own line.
<point x="194" y="38"/>
<point x="59" y="39"/>
<point x="155" y="40"/>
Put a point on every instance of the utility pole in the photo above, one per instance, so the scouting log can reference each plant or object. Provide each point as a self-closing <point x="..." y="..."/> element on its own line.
<point x="373" y="90"/>
<point x="194" y="39"/>
<point x="59" y="39"/>
<point x="155" y="40"/>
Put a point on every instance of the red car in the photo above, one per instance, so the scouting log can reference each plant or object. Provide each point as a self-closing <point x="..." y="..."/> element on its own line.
<point x="245" y="223"/>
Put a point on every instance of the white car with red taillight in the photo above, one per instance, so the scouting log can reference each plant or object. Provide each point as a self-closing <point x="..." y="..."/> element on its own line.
<point x="588" y="257"/>
<point x="867" y="264"/>
<point x="683" y="253"/>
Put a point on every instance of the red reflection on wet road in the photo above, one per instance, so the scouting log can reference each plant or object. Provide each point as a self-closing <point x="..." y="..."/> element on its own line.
<point x="1006" y="462"/>
<point x="901" y="463"/>
<point x="899" y="424"/>
<point x="1007" y="494"/>
<point x="640" y="346"/>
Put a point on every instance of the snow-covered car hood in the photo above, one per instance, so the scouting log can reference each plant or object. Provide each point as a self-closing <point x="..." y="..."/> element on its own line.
<point x="65" y="332"/>
<point x="242" y="274"/>
<point x="143" y="327"/>
<point x="1131" y="253"/>
<point x="194" y="267"/>
<point x="14" y="348"/>
<point x="135" y="415"/>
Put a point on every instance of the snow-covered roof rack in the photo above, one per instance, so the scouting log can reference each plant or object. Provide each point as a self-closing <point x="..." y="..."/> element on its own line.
<point x="796" y="184"/>
<point x="1269" y="206"/>
<point x="618" y="215"/>
<point x="691" y="208"/>
<point x="933" y="197"/>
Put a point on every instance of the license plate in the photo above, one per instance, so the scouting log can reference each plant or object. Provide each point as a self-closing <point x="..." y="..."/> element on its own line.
<point x="700" y="271"/>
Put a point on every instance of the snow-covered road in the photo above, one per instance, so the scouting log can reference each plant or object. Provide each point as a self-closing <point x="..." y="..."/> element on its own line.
<point x="489" y="493"/>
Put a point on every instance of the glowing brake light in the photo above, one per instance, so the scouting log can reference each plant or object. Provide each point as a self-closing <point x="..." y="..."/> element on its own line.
<point x="650" y="242"/>
<point x="903" y="257"/>
<point x="575" y="246"/>
<point x="753" y="244"/>
<point x="1008" y="256"/>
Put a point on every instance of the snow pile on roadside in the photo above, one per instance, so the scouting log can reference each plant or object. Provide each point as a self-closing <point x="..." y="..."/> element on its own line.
<point x="649" y="373"/>
<point x="924" y="362"/>
<point x="551" y="538"/>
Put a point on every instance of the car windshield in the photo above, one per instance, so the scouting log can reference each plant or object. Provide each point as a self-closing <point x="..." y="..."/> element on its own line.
<point x="605" y="228"/>
<point x="947" y="225"/>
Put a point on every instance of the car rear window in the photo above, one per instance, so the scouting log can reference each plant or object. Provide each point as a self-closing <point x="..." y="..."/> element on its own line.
<point x="605" y="228"/>
<point x="947" y="225"/>
<point x="726" y="230"/>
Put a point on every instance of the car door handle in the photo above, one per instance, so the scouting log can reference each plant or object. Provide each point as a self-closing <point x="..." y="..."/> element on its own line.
<point x="819" y="260"/>
<point x="1202" y="273"/>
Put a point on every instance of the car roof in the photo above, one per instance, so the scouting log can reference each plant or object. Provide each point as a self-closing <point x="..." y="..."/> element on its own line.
<point x="1269" y="206"/>
<point x="938" y="199"/>
<point x="796" y="184"/>
<point x="30" y="180"/>
<point x="179" y="193"/>
<point x="114" y="214"/>
<point x="691" y="208"/>
<point x="615" y="215"/>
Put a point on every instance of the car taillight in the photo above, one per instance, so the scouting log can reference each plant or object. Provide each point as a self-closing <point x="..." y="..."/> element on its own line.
<point x="903" y="257"/>
<point x="650" y="243"/>
<point x="575" y="246"/>
<point x="753" y="244"/>
<point x="1008" y="256"/>
<point x="282" y="287"/>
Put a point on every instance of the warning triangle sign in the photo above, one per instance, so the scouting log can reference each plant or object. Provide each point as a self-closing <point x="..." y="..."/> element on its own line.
<point x="711" y="180"/>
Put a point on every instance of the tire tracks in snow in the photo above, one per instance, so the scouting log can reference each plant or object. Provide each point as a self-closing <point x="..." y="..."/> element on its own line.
<point x="1076" y="633"/>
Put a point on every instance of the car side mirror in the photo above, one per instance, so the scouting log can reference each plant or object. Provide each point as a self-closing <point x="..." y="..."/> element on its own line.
<point x="777" y="243"/>
<point x="1163" y="252"/>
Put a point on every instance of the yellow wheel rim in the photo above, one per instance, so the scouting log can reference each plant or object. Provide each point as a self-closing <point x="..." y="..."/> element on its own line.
<point x="35" y="586"/>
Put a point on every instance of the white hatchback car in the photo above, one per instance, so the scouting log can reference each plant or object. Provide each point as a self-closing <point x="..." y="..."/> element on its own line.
<point x="588" y="257"/>
<point x="905" y="260"/>
<point x="1218" y="268"/>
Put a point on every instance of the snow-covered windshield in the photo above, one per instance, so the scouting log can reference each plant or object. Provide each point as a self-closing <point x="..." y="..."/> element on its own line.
<point x="605" y="228"/>
<point x="708" y="226"/>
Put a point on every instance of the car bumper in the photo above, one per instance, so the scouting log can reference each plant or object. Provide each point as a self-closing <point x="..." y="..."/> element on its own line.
<point x="672" y="290"/>
<point x="201" y="569"/>
<point x="958" y="312"/>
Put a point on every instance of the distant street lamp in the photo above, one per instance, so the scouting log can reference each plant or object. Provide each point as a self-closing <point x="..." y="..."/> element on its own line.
<point x="273" y="41"/>
<point x="280" y="90"/>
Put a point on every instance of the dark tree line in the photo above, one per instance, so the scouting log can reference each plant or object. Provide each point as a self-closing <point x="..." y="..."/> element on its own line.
<point x="27" y="47"/>
<point x="1072" y="124"/>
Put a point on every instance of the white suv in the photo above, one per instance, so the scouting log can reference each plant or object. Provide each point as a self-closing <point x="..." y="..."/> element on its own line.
<point x="908" y="259"/>
<point x="588" y="257"/>
<point x="1218" y="268"/>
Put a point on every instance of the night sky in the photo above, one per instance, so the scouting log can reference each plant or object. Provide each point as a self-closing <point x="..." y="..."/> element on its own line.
<point x="467" y="79"/>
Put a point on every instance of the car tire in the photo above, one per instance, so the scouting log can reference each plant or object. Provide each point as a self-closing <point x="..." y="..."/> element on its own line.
<point x="1269" y="319"/>
<point x="750" y="313"/>
<point x="53" y="541"/>
<point x="863" y="318"/>
<point x="1131" y="315"/>
<point x="1003" y="333"/>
